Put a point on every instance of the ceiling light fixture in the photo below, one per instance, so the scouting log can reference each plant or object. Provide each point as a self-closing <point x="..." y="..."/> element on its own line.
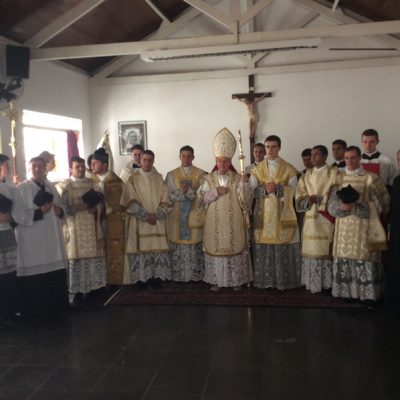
<point x="226" y="50"/>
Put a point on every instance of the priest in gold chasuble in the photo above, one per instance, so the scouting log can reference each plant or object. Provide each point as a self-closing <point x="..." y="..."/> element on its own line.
<point x="357" y="204"/>
<point x="312" y="195"/>
<point x="145" y="197"/>
<point x="277" y="260"/>
<point x="224" y="196"/>
<point x="114" y="216"/>
<point x="83" y="234"/>
<point x="185" y="228"/>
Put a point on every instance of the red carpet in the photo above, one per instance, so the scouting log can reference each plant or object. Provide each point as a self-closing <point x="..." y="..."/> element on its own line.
<point x="199" y="294"/>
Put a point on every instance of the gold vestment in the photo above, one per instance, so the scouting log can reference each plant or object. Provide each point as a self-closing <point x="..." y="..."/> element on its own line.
<point x="82" y="233"/>
<point x="180" y="213"/>
<point x="317" y="234"/>
<point x="275" y="219"/>
<point x="357" y="238"/>
<point x="115" y="225"/>
<point x="151" y="193"/>
<point x="224" y="229"/>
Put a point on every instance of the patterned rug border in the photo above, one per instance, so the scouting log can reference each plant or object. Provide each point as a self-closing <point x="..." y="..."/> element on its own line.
<point x="173" y="293"/>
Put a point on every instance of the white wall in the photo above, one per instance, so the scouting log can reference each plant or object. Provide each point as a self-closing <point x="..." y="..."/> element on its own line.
<point x="306" y="109"/>
<point x="56" y="90"/>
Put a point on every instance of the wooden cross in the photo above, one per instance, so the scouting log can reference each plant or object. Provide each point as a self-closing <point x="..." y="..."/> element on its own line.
<point x="251" y="99"/>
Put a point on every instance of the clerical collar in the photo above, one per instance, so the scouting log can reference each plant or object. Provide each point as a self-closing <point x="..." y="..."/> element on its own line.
<point x="187" y="170"/>
<point x="337" y="163"/>
<point x="103" y="177"/>
<point x="316" y="169"/>
<point x="358" y="171"/>
<point x="273" y="162"/>
<point x="371" y="156"/>
<point x="146" y="173"/>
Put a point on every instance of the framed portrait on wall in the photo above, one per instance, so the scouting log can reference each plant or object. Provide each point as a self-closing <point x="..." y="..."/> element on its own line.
<point x="131" y="133"/>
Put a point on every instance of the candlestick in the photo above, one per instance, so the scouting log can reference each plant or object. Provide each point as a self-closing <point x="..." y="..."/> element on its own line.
<point x="241" y="155"/>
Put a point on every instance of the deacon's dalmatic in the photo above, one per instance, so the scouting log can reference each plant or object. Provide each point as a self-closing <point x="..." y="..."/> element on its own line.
<point x="312" y="195"/>
<point x="359" y="233"/>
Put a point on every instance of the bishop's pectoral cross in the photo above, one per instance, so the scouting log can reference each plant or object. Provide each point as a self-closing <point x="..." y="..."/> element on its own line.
<point x="251" y="99"/>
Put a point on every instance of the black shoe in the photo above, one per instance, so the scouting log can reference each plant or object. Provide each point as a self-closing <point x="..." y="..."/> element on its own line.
<point x="140" y="285"/>
<point x="156" y="283"/>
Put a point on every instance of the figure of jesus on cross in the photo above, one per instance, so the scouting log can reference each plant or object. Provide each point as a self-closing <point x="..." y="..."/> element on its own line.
<point x="251" y="99"/>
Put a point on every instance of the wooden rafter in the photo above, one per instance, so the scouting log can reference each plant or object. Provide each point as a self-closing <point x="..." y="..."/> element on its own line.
<point x="338" y="17"/>
<point x="253" y="11"/>
<point x="268" y="70"/>
<point x="157" y="10"/>
<point x="213" y="13"/>
<point x="63" y="22"/>
<point x="129" y="48"/>
<point x="164" y="31"/>
<point x="301" y="23"/>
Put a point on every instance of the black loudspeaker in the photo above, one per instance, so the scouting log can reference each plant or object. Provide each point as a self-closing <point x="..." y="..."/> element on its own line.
<point x="17" y="62"/>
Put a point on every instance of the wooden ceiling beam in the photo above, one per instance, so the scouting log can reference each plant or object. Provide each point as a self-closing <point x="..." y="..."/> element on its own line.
<point x="165" y="30"/>
<point x="339" y="17"/>
<point x="63" y="22"/>
<point x="270" y="70"/>
<point x="157" y="10"/>
<point x="213" y="13"/>
<point x="5" y="41"/>
<point x="301" y="23"/>
<point x="335" y="4"/>
<point x="129" y="48"/>
<point x="253" y="11"/>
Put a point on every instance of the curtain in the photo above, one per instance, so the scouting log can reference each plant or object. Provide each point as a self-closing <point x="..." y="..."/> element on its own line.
<point x="72" y="144"/>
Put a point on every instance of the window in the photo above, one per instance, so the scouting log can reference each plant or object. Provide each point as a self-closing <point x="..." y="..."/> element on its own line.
<point x="49" y="132"/>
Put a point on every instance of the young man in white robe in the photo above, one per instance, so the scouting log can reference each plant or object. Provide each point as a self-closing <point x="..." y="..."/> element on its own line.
<point x="359" y="234"/>
<point x="145" y="197"/>
<point x="277" y="260"/>
<point x="133" y="165"/>
<point x="83" y="204"/>
<point x="41" y="255"/>
<point x="185" y="235"/>
<point x="226" y="198"/>
<point x="311" y="198"/>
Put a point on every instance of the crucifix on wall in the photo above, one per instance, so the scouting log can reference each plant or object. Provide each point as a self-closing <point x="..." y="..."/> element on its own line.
<point x="251" y="99"/>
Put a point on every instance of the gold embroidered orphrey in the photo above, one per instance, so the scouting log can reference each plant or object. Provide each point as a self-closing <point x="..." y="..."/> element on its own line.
<point x="115" y="227"/>
<point x="317" y="234"/>
<point x="275" y="220"/>
<point x="358" y="238"/>
<point x="195" y="217"/>
<point x="223" y="235"/>
<point x="83" y="234"/>
<point x="150" y="192"/>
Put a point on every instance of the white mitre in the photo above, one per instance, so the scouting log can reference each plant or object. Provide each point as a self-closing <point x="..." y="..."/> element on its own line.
<point x="224" y="144"/>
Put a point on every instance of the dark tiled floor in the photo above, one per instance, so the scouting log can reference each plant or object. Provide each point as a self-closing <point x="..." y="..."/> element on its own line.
<point x="202" y="353"/>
